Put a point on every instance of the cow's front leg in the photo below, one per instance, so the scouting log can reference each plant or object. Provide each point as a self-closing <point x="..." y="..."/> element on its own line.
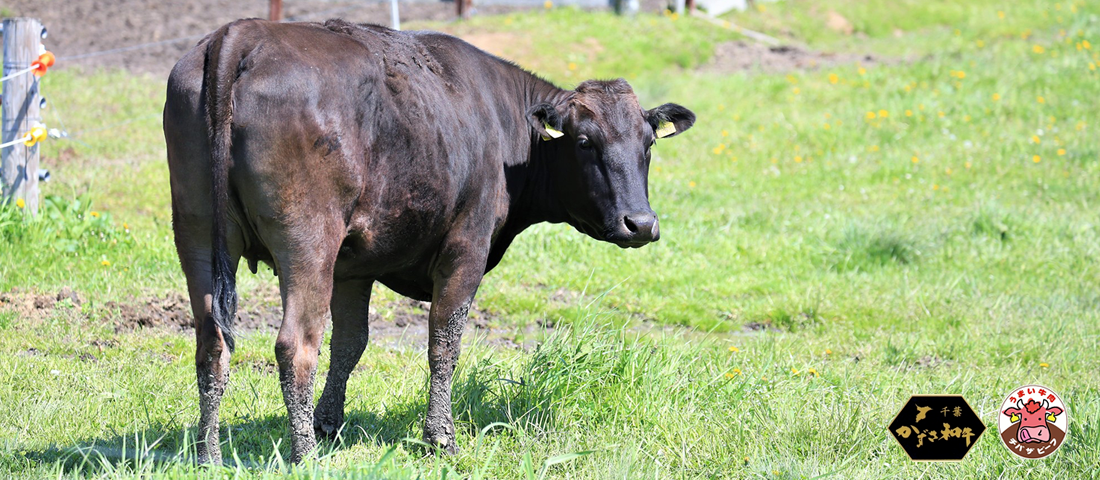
<point x="454" y="290"/>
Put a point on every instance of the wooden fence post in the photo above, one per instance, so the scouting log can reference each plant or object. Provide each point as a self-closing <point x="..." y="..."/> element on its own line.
<point x="275" y="10"/>
<point x="21" y="103"/>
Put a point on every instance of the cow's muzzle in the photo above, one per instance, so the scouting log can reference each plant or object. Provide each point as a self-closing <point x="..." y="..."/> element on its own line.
<point x="636" y="229"/>
<point x="1033" y="434"/>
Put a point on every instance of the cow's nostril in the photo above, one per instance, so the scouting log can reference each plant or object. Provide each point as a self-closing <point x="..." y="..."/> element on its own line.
<point x="630" y="225"/>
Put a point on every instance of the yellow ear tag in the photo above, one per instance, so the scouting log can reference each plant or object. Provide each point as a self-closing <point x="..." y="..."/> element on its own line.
<point x="551" y="131"/>
<point x="665" y="129"/>
<point x="1014" y="418"/>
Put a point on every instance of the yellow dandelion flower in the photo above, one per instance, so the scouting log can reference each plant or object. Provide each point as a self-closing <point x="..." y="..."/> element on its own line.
<point x="746" y="459"/>
<point x="691" y="184"/>
<point x="105" y="263"/>
<point x="935" y="187"/>
<point x="908" y="113"/>
<point x="967" y="165"/>
<point x="125" y="226"/>
<point x="723" y="107"/>
<point x="834" y="78"/>
<point x="941" y="114"/>
<point x="813" y="372"/>
<point x="1001" y="15"/>
<point x="1036" y="139"/>
<point x="870" y="115"/>
<point x="966" y="118"/>
<point x="828" y="351"/>
<point x="948" y="170"/>
<point x="796" y="90"/>
<point x="20" y="203"/>
<point x="718" y="150"/>
<point x="826" y="126"/>
<point x="1036" y="159"/>
<point x="862" y="71"/>
<point x="916" y="159"/>
<point x="571" y="66"/>
<point x="94" y="213"/>
<point x="961" y="74"/>
<point x="1061" y="151"/>
<point x="734" y="349"/>
<point x="996" y="97"/>
<point x="794" y="371"/>
<point x="548" y="4"/>
<point x="1044" y="365"/>
<point x="980" y="43"/>
<point x="1040" y="99"/>
<point x="1038" y="49"/>
<point x="883" y="113"/>
<point x="1086" y="45"/>
<point x="874" y="148"/>
<point x="674" y="16"/>
<point x="725" y="133"/>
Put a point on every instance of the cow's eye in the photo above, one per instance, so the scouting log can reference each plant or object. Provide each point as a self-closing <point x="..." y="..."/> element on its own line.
<point x="584" y="143"/>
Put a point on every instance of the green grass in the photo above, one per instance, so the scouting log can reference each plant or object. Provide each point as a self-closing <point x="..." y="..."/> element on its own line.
<point x="926" y="250"/>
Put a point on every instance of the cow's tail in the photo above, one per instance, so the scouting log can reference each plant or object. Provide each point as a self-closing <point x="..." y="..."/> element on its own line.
<point x="219" y="72"/>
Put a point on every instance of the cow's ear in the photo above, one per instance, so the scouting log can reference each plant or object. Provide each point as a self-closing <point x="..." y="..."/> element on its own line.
<point x="545" y="121"/>
<point x="1012" y="411"/>
<point x="1055" y="410"/>
<point x="670" y="119"/>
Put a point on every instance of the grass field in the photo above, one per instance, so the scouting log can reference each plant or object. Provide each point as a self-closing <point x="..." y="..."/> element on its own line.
<point x="834" y="240"/>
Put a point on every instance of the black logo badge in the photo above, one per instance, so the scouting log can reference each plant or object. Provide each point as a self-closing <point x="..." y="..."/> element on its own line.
<point x="936" y="428"/>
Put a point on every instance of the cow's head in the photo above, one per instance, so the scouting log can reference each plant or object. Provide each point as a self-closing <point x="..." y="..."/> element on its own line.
<point x="1033" y="418"/>
<point x="600" y="137"/>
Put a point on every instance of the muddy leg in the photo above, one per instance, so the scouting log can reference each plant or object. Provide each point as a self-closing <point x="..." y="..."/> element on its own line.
<point x="211" y="356"/>
<point x="451" y="299"/>
<point x="306" y="287"/>
<point x="350" y="331"/>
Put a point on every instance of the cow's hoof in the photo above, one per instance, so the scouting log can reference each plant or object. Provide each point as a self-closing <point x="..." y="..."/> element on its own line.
<point x="443" y="444"/>
<point x="327" y="426"/>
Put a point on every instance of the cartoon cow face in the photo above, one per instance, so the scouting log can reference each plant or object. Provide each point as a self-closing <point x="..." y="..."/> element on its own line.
<point x="1033" y="418"/>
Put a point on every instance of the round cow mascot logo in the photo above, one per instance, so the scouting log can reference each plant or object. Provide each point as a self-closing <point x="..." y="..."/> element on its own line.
<point x="1033" y="421"/>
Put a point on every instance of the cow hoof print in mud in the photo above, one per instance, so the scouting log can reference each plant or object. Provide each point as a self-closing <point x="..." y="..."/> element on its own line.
<point x="1033" y="421"/>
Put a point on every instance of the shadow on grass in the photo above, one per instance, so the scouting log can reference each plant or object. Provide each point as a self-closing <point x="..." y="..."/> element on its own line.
<point x="483" y="395"/>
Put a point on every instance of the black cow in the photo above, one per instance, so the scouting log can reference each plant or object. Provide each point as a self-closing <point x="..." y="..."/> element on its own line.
<point x="345" y="154"/>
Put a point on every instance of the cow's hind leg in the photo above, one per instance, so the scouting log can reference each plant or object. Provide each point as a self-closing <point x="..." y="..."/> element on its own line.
<point x="305" y="264"/>
<point x="211" y="349"/>
<point x="350" y="331"/>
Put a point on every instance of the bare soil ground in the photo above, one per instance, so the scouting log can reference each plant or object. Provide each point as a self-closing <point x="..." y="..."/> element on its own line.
<point x="400" y="324"/>
<point x="733" y="57"/>
<point x="102" y="33"/>
<point x="82" y="27"/>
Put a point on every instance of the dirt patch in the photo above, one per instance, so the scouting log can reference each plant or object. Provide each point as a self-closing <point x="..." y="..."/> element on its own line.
<point x="81" y="27"/>
<point x="401" y="323"/>
<point x="739" y="56"/>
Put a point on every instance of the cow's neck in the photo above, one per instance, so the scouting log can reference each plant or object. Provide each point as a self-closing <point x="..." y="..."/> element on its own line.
<point x="531" y="194"/>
